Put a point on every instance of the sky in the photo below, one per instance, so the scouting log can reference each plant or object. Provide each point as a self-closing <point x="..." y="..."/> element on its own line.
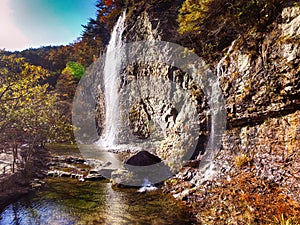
<point x="35" y="23"/>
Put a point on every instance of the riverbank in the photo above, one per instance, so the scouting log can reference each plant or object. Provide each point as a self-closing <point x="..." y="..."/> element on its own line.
<point x="84" y="196"/>
<point x="46" y="162"/>
<point x="15" y="185"/>
<point x="12" y="187"/>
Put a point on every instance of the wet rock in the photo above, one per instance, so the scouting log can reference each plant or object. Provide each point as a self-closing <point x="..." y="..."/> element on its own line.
<point x="143" y="158"/>
<point x="59" y="173"/>
<point x="36" y="183"/>
<point x="107" y="164"/>
<point x="106" y="172"/>
<point x="94" y="163"/>
<point x="140" y="167"/>
<point x="121" y="177"/>
<point x="192" y="163"/>
<point x="64" y="174"/>
<point x="52" y="173"/>
<point x="94" y="176"/>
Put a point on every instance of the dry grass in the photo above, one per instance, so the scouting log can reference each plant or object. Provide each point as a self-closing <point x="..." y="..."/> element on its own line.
<point x="242" y="160"/>
<point x="245" y="199"/>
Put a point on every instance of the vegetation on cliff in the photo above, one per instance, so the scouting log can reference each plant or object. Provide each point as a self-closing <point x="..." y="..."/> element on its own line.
<point x="213" y="24"/>
<point x="256" y="47"/>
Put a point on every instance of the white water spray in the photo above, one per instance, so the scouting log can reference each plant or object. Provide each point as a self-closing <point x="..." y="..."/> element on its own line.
<point x="112" y="68"/>
<point x="147" y="186"/>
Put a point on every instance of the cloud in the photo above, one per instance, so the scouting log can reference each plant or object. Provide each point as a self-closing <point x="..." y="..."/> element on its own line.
<point x="11" y="37"/>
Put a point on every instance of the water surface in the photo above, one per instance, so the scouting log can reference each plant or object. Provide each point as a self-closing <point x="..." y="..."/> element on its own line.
<point x="66" y="201"/>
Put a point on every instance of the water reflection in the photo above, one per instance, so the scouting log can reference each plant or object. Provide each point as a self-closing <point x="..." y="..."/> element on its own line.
<point x="65" y="201"/>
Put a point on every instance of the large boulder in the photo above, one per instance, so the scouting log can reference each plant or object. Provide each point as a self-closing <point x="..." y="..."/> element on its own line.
<point x="143" y="158"/>
<point x="140" y="167"/>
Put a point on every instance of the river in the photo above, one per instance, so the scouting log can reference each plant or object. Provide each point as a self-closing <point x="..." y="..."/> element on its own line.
<point x="66" y="201"/>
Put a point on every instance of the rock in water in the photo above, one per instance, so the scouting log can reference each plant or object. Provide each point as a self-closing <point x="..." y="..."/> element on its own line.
<point x="143" y="158"/>
<point x="141" y="166"/>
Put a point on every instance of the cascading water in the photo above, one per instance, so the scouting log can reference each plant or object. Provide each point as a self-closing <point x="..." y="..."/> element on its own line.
<point x="147" y="186"/>
<point x="116" y="135"/>
<point x="216" y="126"/>
<point x="112" y="67"/>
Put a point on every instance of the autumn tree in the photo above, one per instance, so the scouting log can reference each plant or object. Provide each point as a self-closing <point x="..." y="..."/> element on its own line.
<point x="29" y="112"/>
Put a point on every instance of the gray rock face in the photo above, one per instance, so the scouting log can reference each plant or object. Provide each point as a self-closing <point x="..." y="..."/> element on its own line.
<point x="260" y="81"/>
<point x="262" y="92"/>
<point x="169" y="109"/>
<point x="263" y="84"/>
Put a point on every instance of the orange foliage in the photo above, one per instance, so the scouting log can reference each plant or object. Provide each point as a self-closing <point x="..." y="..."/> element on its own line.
<point x="108" y="2"/>
<point x="243" y="199"/>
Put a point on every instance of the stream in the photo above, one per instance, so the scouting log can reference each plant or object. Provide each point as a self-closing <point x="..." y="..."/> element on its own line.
<point x="66" y="201"/>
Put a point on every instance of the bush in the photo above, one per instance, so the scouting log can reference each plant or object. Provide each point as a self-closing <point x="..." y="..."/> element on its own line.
<point x="75" y="69"/>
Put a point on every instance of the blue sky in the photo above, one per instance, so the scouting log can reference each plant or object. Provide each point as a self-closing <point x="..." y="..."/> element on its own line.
<point x="35" y="23"/>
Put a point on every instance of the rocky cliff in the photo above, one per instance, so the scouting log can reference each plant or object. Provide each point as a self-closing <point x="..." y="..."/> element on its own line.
<point x="160" y="114"/>
<point x="256" y="178"/>
<point x="262" y="92"/>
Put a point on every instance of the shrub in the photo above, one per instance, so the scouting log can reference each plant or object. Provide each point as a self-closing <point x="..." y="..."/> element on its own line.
<point x="75" y="69"/>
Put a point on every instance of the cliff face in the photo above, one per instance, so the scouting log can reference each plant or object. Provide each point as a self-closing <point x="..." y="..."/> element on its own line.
<point x="162" y="16"/>
<point x="168" y="104"/>
<point x="259" y="73"/>
<point x="262" y="92"/>
<point x="260" y="80"/>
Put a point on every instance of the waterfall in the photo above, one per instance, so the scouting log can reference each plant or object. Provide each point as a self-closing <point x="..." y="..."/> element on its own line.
<point x="112" y="69"/>
<point x="216" y="124"/>
<point x="221" y="62"/>
<point x="150" y="101"/>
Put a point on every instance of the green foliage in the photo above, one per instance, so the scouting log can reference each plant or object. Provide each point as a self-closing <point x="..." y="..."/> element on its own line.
<point x="29" y="110"/>
<point x="75" y="69"/>
<point x="192" y="15"/>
